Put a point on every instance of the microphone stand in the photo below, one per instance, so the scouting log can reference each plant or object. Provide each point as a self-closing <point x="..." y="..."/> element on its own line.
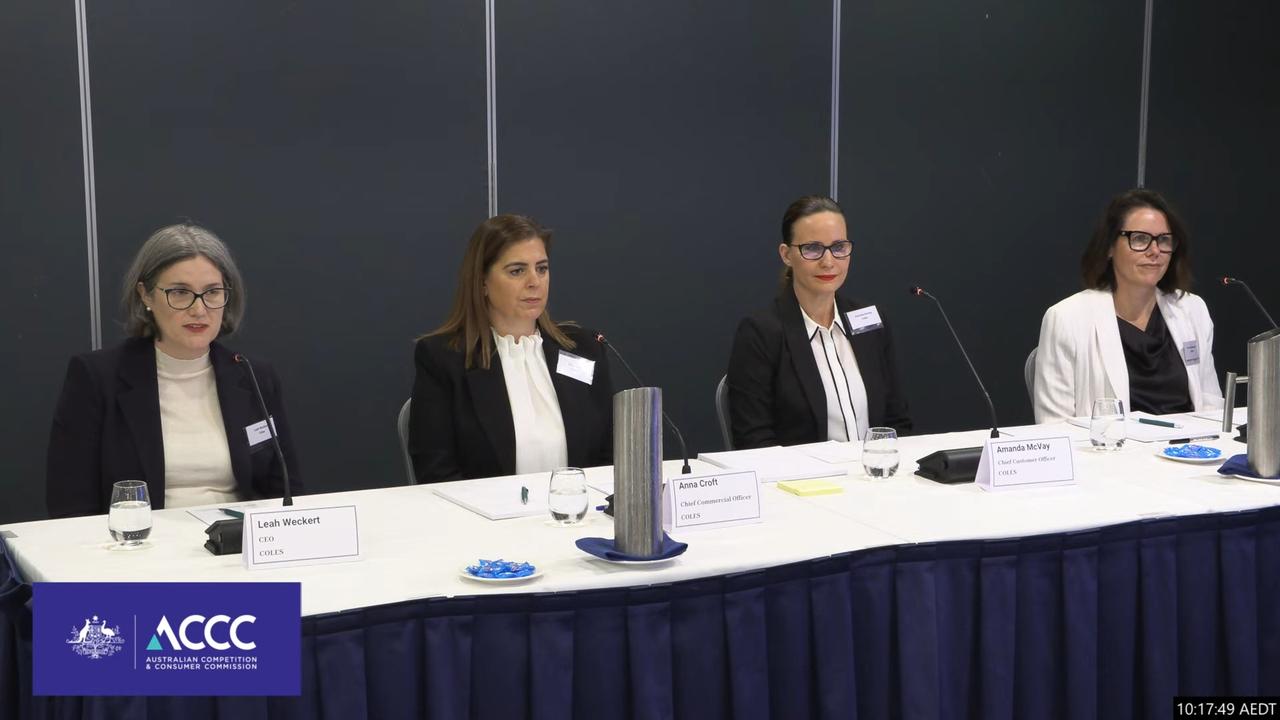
<point x="958" y="464"/>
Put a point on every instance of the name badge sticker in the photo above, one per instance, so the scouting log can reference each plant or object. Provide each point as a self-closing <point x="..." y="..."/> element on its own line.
<point x="1191" y="352"/>
<point x="864" y="320"/>
<point x="258" y="432"/>
<point x="576" y="367"/>
<point x="289" y="537"/>
<point x="1026" y="462"/>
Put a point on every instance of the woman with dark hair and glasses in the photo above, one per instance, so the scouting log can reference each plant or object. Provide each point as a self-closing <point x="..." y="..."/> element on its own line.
<point x="817" y="365"/>
<point x="1134" y="333"/>
<point x="499" y="388"/>
<point x="170" y="405"/>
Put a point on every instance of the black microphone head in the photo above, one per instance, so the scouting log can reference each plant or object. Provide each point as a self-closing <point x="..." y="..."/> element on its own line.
<point x="600" y="338"/>
<point x="238" y="358"/>
<point x="1229" y="280"/>
<point x="916" y="290"/>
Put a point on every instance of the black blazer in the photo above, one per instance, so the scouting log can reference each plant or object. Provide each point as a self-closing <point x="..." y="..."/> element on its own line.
<point x="775" y="392"/>
<point x="460" y="422"/>
<point x="107" y="428"/>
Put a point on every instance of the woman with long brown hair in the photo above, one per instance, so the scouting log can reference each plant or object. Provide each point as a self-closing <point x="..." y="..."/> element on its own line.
<point x="499" y="388"/>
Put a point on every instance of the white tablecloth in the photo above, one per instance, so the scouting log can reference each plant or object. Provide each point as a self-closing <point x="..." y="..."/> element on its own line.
<point x="415" y="543"/>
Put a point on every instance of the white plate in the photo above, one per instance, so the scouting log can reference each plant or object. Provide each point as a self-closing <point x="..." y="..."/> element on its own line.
<point x="1199" y="461"/>
<point x="655" y="561"/>
<point x="1268" y="481"/>
<point x="537" y="573"/>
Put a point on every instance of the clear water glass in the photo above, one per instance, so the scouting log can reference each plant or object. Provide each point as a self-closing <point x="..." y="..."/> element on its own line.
<point x="1106" y="424"/>
<point x="129" y="519"/>
<point x="880" y="452"/>
<point x="567" y="496"/>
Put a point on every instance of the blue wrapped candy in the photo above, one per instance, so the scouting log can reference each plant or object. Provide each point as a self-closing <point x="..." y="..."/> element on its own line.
<point x="500" y="569"/>
<point x="1193" y="452"/>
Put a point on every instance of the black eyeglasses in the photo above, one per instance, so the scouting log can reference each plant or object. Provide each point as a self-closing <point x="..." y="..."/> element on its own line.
<point x="1139" y="241"/>
<point x="182" y="298"/>
<point x="815" y="250"/>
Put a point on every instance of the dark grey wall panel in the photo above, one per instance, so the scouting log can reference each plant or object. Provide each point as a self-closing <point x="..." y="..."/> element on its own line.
<point x="662" y="141"/>
<point x="340" y="151"/>
<point x="1213" y="149"/>
<point x="45" y="293"/>
<point x="978" y="143"/>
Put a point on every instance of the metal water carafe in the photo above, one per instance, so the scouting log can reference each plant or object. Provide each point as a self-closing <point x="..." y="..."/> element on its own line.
<point x="1263" y="436"/>
<point x="637" y="471"/>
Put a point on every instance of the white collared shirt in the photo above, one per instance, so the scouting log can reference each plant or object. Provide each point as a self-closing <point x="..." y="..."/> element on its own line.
<point x="841" y="380"/>
<point x="535" y="409"/>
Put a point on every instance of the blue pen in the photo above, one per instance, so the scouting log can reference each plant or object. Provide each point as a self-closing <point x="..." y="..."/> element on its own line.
<point x="233" y="513"/>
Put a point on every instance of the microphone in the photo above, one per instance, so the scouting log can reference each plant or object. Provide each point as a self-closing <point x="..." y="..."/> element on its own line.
<point x="921" y="292"/>
<point x="684" y="451"/>
<point x="959" y="464"/>
<point x="1254" y="298"/>
<point x="271" y="430"/>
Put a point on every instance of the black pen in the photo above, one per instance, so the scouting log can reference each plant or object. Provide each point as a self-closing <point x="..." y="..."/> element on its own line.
<point x="1183" y="441"/>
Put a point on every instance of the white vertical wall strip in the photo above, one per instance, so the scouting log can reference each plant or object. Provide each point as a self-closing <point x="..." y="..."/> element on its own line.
<point x="491" y="105"/>
<point x="90" y="191"/>
<point x="835" y="99"/>
<point x="1142" y="108"/>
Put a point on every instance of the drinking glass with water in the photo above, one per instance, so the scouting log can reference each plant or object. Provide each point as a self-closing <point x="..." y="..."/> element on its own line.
<point x="130" y="517"/>
<point x="567" y="496"/>
<point x="880" y="452"/>
<point x="1106" y="425"/>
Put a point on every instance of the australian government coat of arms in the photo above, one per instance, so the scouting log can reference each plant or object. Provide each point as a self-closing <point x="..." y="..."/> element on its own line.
<point x="95" y="639"/>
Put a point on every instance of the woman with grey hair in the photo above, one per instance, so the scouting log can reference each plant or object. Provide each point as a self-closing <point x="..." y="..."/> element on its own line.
<point x="169" y="405"/>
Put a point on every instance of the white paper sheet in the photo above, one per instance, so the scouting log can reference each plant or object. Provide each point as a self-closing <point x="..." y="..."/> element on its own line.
<point x="499" y="498"/>
<point x="773" y="463"/>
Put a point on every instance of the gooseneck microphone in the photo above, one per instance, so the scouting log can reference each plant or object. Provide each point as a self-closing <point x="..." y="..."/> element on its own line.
<point x="684" y="451"/>
<point x="271" y="429"/>
<point x="995" y="426"/>
<point x="1254" y="298"/>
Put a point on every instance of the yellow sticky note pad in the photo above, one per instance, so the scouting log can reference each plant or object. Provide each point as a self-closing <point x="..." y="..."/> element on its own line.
<point x="807" y="488"/>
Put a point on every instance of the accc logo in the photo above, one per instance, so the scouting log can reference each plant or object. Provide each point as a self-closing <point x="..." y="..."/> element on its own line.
<point x="181" y="639"/>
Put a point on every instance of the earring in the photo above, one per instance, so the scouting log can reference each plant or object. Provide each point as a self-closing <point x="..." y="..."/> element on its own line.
<point x="148" y="308"/>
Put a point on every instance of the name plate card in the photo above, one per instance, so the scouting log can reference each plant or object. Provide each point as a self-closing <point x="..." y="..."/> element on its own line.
<point x="1026" y="462"/>
<point x="292" y="537"/>
<point x="695" y="502"/>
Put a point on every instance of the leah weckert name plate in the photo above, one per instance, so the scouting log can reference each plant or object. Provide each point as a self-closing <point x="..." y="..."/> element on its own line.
<point x="289" y="537"/>
<point x="167" y="638"/>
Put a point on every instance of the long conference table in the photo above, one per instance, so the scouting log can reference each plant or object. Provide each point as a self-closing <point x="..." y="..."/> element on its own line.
<point x="896" y="598"/>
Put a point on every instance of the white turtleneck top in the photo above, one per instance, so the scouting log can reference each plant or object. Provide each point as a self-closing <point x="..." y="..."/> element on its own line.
<point x="197" y="459"/>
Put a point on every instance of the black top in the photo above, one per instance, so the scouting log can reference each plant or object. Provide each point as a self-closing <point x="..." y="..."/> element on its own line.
<point x="1157" y="377"/>
<point x="775" y="391"/>
<point x="460" y="423"/>
<point x="107" y="428"/>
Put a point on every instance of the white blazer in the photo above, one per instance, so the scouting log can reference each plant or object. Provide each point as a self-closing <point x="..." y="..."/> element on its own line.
<point x="1080" y="358"/>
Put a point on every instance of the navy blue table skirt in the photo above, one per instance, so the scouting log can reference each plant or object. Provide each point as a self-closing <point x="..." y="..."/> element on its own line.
<point x="1107" y="623"/>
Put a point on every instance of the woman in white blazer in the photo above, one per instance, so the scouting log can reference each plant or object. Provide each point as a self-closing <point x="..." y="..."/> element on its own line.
<point x="1135" y="333"/>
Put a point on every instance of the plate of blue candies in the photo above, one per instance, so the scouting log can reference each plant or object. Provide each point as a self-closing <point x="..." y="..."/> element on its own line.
<point x="500" y="571"/>
<point x="1191" y="453"/>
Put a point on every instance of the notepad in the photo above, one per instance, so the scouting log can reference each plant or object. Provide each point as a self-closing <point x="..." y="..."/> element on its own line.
<point x="773" y="463"/>
<point x="808" y="488"/>
<point x="499" y="498"/>
<point x="1141" y="432"/>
